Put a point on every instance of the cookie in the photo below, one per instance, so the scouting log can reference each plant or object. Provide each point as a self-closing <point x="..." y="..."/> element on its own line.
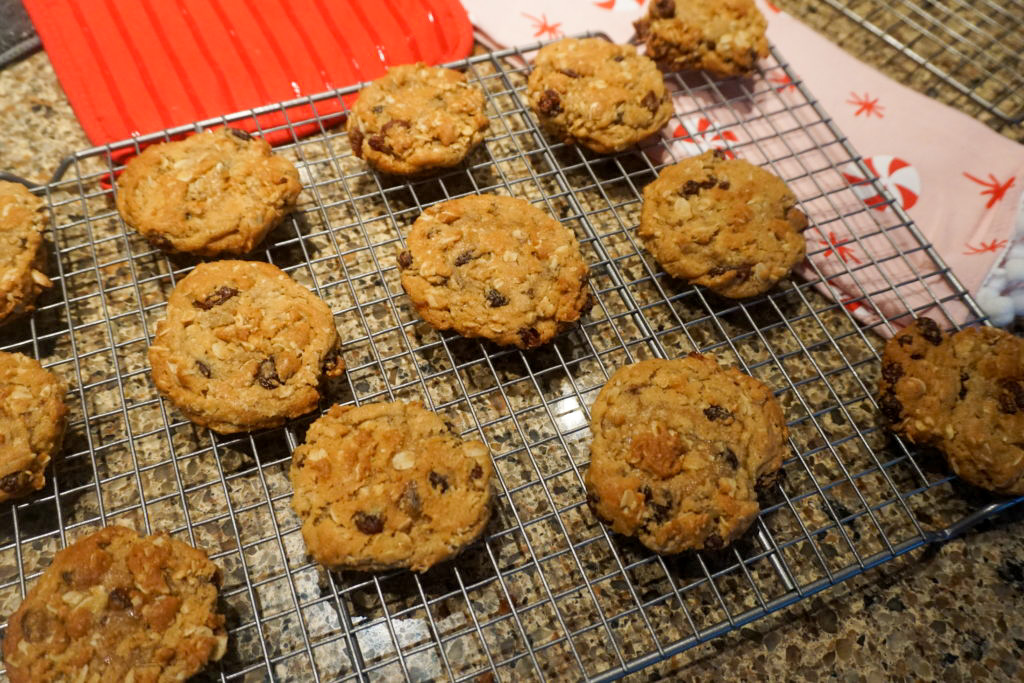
<point x="680" y="449"/>
<point x="495" y="267"/>
<point x="963" y="394"/>
<point x="32" y="420"/>
<point x="243" y="347"/>
<point x="416" y="119"/>
<point x="217" y="192"/>
<point x="603" y="96"/>
<point x="389" y="485"/>
<point x="22" y="257"/>
<point x="116" y="606"/>
<point x="723" y="37"/>
<point x="722" y="223"/>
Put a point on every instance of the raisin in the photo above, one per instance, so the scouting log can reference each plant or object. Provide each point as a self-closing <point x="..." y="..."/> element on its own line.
<point x="266" y="374"/>
<point x="742" y="272"/>
<point x="119" y="598"/>
<point x="930" y="331"/>
<point x="35" y="624"/>
<point x="332" y="364"/>
<point x="465" y="257"/>
<point x="891" y="372"/>
<point x="496" y="299"/>
<point x="529" y="336"/>
<point x="659" y="511"/>
<point x="404" y="259"/>
<point x="68" y="577"/>
<point x="718" y="154"/>
<point x="905" y="340"/>
<point x="643" y="30"/>
<point x="729" y="456"/>
<point x="550" y="103"/>
<point x="963" y="385"/>
<point x="724" y="184"/>
<point x="891" y="408"/>
<point x="713" y="542"/>
<point x="651" y="101"/>
<point x="240" y="134"/>
<point x="14" y="481"/>
<point x="355" y="139"/>
<point x="367" y="523"/>
<point x="617" y="58"/>
<point x="715" y="412"/>
<point x="215" y="298"/>
<point x="916" y="356"/>
<point x="410" y="501"/>
<point x="708" y="183"/>
<point x="663" y="9"/>
<point x="1012" y="398"/>
<point x="394" y="123"/>
<point x="476" y="472"/>
<point x="438" y="481"/>
<point x="569" y="72"/>
<point x="691" y="187"/>
<point x="379" y="144"/>
<point x="592" y="502"/>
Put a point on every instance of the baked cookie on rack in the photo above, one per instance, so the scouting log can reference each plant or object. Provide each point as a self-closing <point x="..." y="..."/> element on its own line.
<point x="213" y="193"/>
<point x="723" y="37"/>
<point x="22" y="257"/>
<point x="603" y="96"/>
<point x="495" y="267"/>
<point x="116" y="606"/>
<point x="389" y="485"/>
<point x="963" y="394"/>
<point x="722" y="223"/>
<point x="32" y="420"/>
<point x="416" y="119"/>
<point x="243" y="347"/>
<point x="680" y="449"/>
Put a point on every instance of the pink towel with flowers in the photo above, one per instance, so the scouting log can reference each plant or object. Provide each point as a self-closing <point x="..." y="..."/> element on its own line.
<point x="961" y="182"/>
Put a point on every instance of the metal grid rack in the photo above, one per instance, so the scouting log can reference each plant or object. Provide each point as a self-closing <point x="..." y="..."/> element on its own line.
<point x="964" y="52"/>
<point x="548" y="592"/>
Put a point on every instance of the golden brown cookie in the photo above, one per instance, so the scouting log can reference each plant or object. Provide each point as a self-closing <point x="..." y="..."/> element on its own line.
<point x="115" y="606"/>
<point x="495" y="267"/>
<point x="217" y="192"/>
<point x="680" y="449"/>
<point x="602" y="95"/>
<point x="417" y="118"/>
<point x="389" y="485"/>
<point x="22" y="256"/>
<point x="243" y="347"/>
<point x="963" y="394"/>
<point x="724" y="224"/>
<point x="724" y="37"/>
<point x="32" y="420"/>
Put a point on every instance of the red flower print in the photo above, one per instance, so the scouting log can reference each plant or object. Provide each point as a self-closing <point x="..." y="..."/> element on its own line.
<point x="772" y="7"/>
<point x="866" y="105"/>
<point x="784" y="82"/>
<point x="610" y="4"/>
<point x="995" y="188"/>
<point x="994" y="245"/>
<point x="543" y="27"/>
<point x="847" y="300"/>
<point x="704" y="135"/>
<point x="839" y="248"/>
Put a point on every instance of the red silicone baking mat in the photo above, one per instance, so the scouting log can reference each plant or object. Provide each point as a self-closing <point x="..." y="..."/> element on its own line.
<point x="131" y="67"/>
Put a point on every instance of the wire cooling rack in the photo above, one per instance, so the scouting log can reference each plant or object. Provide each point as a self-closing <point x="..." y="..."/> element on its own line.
<point x="964" y="52"/>
<point x="548" y="592"/>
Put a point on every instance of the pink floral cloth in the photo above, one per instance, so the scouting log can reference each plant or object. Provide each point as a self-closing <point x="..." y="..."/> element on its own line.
<point x="961" y="182"/>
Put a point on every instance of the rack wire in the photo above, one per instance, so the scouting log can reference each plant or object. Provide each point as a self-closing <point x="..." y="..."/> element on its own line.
<point x="549" y="592"/>
<point x="964" y="52"/>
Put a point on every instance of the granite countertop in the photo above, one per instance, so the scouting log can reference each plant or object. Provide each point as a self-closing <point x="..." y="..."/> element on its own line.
<point x="949" y="611"/>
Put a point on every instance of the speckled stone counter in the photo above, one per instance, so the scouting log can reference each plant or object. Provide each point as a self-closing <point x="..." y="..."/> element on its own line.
<point x="951" y="612"/>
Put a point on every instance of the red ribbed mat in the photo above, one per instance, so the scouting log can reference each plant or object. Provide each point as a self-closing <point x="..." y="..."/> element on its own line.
<point x="137" y="66"/>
